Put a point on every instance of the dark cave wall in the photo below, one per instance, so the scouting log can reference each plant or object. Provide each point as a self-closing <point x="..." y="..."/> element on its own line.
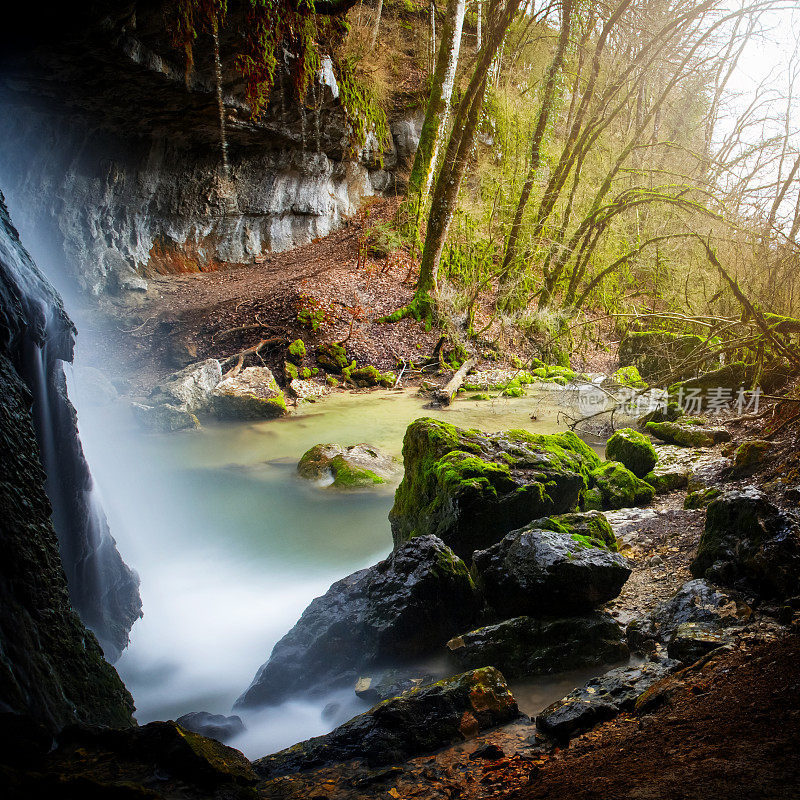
<point x="51" y="666"/>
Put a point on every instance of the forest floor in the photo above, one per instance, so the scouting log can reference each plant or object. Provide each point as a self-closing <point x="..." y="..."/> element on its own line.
<point x="335" y="282"/>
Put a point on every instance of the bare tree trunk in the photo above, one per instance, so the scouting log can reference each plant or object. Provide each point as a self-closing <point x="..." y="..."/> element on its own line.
<point x="223" y="139"/>
<point x="376" y="26"/>
<point x="437" y="112"/>
<point x="478" y="22"/>
<point x="536" y="140"/>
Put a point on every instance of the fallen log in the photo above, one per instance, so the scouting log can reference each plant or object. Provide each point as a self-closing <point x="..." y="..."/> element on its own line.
<point x="444" y="396"/>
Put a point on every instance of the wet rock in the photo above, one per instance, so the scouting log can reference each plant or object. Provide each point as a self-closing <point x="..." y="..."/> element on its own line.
<point x="538" y="572"/>
<point x="352" y="467"/>
<point x="749" y="543"/>
<point x="368" y="376"/>
<point x="633" y="450"/>
<point x="628" y="522"/>
<point x="601" y="699"/>
<point x="701" y="498"/>
<point x="398" y="729"/>
<point x="402" y="608"/>
<point x="471" y="488"/>
<point x="751" y="453"/>
<point x="672" y="468"/>
<point x="697" y="601"/>
<point x="707" y="471"/>
<point x="99" y="759"/>
<point x="252" y="394"/>
<point x="121" y="277"/>
<point x="526" y="646"/>
<point x="692" y="640"/>
<point x="487" y="752"/>
<point x="390" y="683"/>
<point x="619" y="487"/>
<point x="589" y="527"/>
<point x="164" y="417"/>
<point x="687" y="435"/>
<point x="213" y="726"/>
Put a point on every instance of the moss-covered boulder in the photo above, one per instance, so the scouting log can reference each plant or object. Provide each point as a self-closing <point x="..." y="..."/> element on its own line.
<point x="633" y="450"/>
<point x="403" y="608"/>
<point x="422" y="721"/>
<point x="629" y="376"/>
<point x="701" y="498"/>
<point x="659" y="353"/>
<point x="470" y="488"/>
<point x="748" y="543"/>
<point x="252" y="394"/>
<point x="296" y="352"/>
<point x="102" y="762"/>
<point x="353" y="467"/>
<point x="619" y="487"/>
<point x="590" y="528"/>
<point x="369" y="376"/>
<point x="536" y="572"/>
<point x="526" y="646"/>
<point x="687" y="435"/>
<point x="751" y="453"/>
<point x="332" y="357"/>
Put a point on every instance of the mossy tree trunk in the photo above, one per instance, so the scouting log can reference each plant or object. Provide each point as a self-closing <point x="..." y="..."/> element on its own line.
<point x="448" y="183"/>
<point x="437" y="112"/>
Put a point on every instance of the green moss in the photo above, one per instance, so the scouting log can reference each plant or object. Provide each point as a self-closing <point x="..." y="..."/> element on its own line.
<point x="331" y="381"/>
<point x="297" y="351"/>
<point x="346" y="476"/>
<point x="750" y="453"/>
<point x="629" y="376"/>
<point x="305" y="373"/>
<point x="683" y="435"/>
<point x="514" y="391"/>
<point x="290" y="370"/>
<point x="666" y="481"/>
<point x="332" y="357"/>
<point x="632" y="449"/>
<point x="481" y="396"/>
<point x="701" y="498"/>
<point x="620" y="488"/>
<point x="591" y="527"/>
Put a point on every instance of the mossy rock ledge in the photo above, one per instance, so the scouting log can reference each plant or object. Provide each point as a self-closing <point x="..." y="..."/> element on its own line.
<point x="526" y="646"/>
<point x="421" y="721"/>
<point x="471" y="488"/>
<point x="399" y="610"/>
<point x="692" y="435"/>
<point x="633" y="450"/>
<point x="354" y="467"/>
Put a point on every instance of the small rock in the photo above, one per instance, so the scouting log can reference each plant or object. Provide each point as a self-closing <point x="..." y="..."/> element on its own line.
<point x="487" y="752"/>
<point x="655" y="561"/>
<point x="692" y="640"/>
<point x="214" y="726"/>
<point x="252" y="394"/>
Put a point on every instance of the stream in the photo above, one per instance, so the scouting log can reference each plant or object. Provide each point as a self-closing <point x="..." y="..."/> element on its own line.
<point x="231" y="545"/>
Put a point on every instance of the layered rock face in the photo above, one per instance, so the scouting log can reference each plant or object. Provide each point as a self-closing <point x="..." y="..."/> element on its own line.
<point x="51" y="667"/>
<point x="123" y="170"/>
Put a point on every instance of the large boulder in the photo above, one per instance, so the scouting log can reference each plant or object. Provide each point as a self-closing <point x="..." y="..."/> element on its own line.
<point x="350" y="467"/>
<point x="421" y="721"/>
<point x="525" y="646"/>
<point x="175" y="403"/>
<point x="687" y="435"/>
<point x="659" y="354"/>
<point x="619" y="487"/>
<point x="471" y="488"/>
<point x="401" y="609"/>
<point x="748" y="543"/>
<point x="601" y="699"/>
<point x="539" y="572"/>
<point x="633" y="450"/>
<point x="672" y="468"/>
<point x="591" y="528"/>
<point x="252" y="394"/>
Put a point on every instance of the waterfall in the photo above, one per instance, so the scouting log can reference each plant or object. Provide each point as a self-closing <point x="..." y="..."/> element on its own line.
<point x="39" y="336"/>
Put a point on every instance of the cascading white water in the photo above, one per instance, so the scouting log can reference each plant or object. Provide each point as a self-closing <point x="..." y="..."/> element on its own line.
<point x="103" y="590"/>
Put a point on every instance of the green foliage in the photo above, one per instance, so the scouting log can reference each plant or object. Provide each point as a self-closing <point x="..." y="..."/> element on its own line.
<point x="297" y="351"/>
<point x="362" y="106"/>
